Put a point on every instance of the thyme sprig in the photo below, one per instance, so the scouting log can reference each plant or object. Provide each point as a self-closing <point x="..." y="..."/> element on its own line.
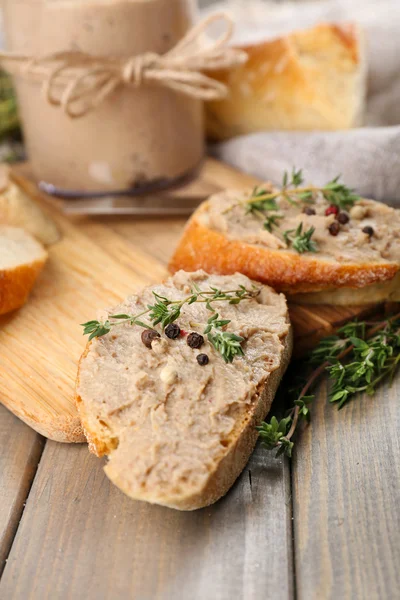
<point x="357" y="359"/>
<point x="165" y="311"/>
<point x="271" y="221"/>
<point x="260" y="201"/>
<point x="335" y="192"/>
<point x="228" y="344"/>
<point x="261" y="207"/>
<point x="301" y="240"/>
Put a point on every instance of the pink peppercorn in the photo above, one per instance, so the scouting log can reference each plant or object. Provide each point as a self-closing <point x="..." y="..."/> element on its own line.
<point x="332" y="210"/>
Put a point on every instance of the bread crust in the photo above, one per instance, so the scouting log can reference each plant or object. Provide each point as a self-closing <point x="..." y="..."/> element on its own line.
<point x="229" y="467"/>
<point x="203" y="248"/>
<point x="96" y="446"/>
<point x="307" y="80"/>
<point x="376" y="293"/>
<point x="16" y="284"/>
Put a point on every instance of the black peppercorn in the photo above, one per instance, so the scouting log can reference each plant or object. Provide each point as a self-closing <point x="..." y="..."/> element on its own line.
<point x="172" y="331"/>
<point x="309" y="211"/>
<point x="148" y="336"/>
<point x="368" y="230"/>
<point x="195" y="340"/>
<point x="343" y="218"/>
<point x="334" y="228"/>
<point x="202" y="359"/>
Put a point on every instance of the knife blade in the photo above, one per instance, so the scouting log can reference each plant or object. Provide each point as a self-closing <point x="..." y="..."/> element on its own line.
<point x="151" y="205"/>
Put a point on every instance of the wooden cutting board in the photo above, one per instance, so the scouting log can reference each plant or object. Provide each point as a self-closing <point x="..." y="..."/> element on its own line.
<point x="97" y="262"/>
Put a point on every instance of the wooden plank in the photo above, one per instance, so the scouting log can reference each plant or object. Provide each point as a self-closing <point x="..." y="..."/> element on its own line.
<point x="346" y="475"/>
<point x="20" y="450"/>
<point x="81" y="537"/>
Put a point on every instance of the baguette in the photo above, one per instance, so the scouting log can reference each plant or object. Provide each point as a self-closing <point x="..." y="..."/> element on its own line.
<point x="21" y="260"/>
<point x="308" y="80"/>
<point x="223" y="237"/>
<point x="178" y="433"/>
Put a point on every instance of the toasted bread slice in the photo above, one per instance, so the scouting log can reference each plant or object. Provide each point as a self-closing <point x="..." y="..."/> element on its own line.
<point x="223" y="237"/>
<point x="376" y="293"/>
<point x="178" y="433"/>
<point x="307" y="80"/>
<point x="21" y="260"/>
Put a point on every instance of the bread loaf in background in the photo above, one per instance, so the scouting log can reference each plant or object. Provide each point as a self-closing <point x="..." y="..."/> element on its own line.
<point x="308" y="80"/>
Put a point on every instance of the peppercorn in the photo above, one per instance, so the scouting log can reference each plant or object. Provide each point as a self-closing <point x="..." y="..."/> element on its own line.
<point x="343" y="218"/>
<point x="368" y="230"/>
<point x="172" y="331"/>
<point x="332" y="210"/>
<point x="309" y="211"/>
<point x="148" y="336"/>
<point x="195" y="340"/>
<point x="334" y="228"/>
<point x="202" y="359"/>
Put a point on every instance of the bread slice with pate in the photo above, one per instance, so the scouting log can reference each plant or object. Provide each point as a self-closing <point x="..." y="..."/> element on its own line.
<point x="175" y="408"/>
<point x="317" y="245"/>
<point x="21" y="260"/>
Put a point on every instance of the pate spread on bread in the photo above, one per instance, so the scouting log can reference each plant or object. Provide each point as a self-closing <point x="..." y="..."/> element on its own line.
<point x="302" y="244"/>
<point x="179" y="428"/>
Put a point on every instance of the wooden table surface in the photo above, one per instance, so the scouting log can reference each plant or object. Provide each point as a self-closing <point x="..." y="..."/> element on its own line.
<point x="326" y="525"/>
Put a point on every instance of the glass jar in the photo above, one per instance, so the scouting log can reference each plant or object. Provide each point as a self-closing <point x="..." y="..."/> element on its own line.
<point x="136" y="135"/>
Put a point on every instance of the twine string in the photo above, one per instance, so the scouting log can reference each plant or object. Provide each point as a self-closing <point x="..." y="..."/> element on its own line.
<point x="78" y="82"/>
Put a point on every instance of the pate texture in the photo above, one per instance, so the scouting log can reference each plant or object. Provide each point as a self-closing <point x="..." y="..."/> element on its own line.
<point x="351" y="245"/>
<point x="168" y="420"/>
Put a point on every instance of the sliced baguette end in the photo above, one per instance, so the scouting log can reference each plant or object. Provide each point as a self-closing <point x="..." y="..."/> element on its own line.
<point x="17" y="280"/>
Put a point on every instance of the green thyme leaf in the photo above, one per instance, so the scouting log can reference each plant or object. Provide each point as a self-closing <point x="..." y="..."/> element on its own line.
<point x="299" y="240"/>
<point x="339" y="194"/>
<point x="226" y="343"/>
<point x="96" y="329"/>
<point x="272" y="221"/>
<point x="297" y="177"/>
<point x="273" y="434"/>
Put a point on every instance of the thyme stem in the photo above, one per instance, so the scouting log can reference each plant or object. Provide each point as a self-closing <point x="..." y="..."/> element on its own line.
<point x="371" y="364"/>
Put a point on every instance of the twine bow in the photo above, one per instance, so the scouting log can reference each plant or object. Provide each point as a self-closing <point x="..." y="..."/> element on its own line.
<point x="79" y="82"/>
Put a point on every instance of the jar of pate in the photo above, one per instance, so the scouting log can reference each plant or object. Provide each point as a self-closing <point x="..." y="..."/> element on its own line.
<point x="137" y="134"/>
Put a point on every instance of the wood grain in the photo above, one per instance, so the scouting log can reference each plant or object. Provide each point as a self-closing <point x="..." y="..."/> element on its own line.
<point x="20" y="450"/>
<point x="346" y="489"/>
<point x="81" y="537"/>
<point x="97" y="262"/>
<point x="41" y="344"/>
